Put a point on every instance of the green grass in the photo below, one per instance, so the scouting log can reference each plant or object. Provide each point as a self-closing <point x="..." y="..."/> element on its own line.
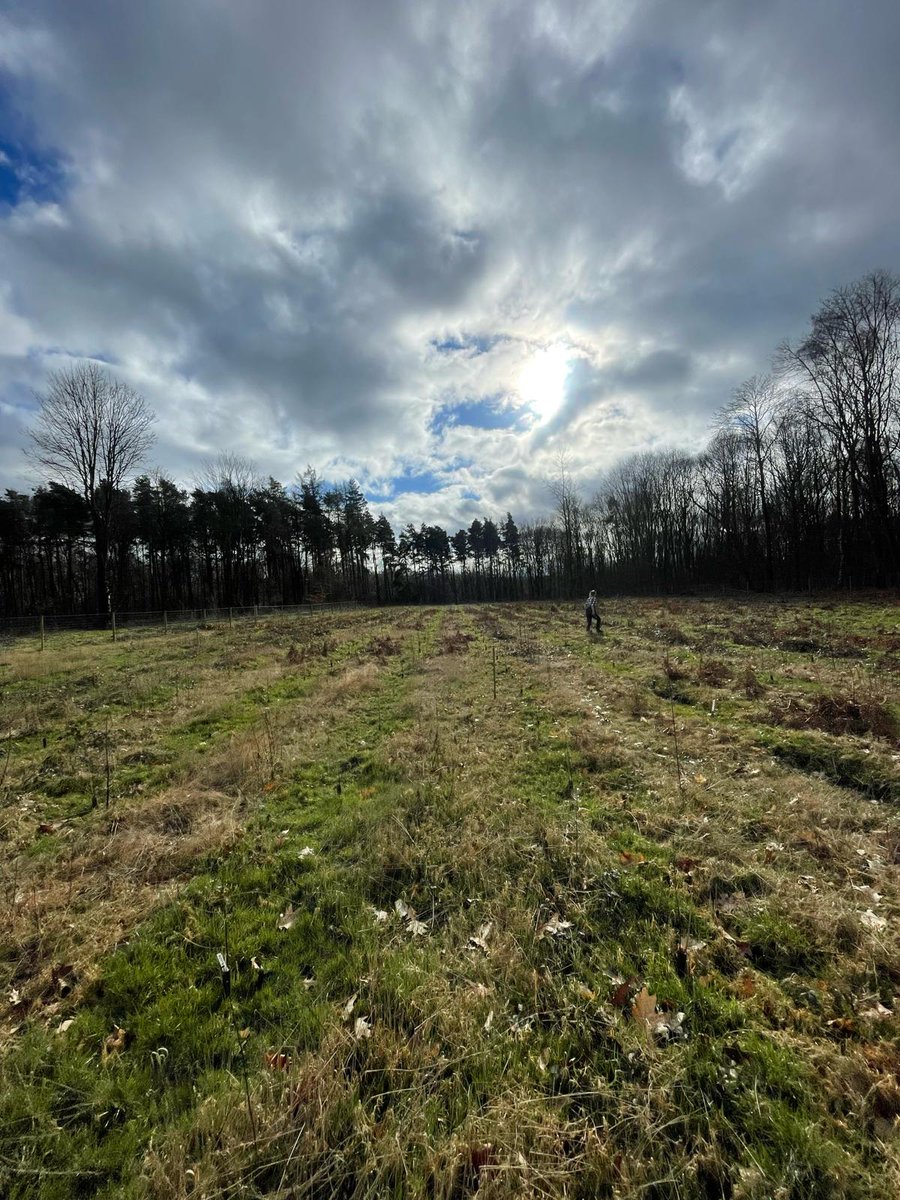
<point x="561" y="869"/>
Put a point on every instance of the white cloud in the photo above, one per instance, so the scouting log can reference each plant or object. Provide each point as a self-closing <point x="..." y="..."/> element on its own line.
<point x="268" y="226"/>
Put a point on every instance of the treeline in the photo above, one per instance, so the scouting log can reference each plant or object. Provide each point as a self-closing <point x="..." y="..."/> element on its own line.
<point x="798" y="487"/>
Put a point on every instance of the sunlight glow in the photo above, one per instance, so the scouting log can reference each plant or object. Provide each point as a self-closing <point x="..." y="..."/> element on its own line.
<point x="542" y="380"/>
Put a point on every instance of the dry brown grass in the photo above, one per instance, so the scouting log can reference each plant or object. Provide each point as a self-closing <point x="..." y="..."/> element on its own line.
<point x="476" y="821"/>
<point x="384" y="646"/>
<point x="113" y="874"/>
<point x="836" y="713"/>
<point x="714" y="673"/>
<point x="350" y="682"/>
<point x="109" y="868"/>
<point x="455" y="641"/>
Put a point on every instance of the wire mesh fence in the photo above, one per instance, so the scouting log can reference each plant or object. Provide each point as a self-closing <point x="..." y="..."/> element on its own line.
<point x="44" y="625"/>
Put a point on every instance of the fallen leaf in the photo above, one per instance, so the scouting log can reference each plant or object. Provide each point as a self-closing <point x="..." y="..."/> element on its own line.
<point x="686" y="864"/>
<point x="685" y="953"/>
<point x="46" y="827"/>
<point x="555" y="927"/>
<point x="243" y="1034"/>
<point x="619" y="998"/>
<point x="306" y="852"/>
<point x="287" y="918"/>
<point x="669" y="1024"/>
<point x="63" y="977"/>
<point x="746" y="985"/>
<point x="877" y="1012"/>
<point x="407" y="913"/>
<point x="700" y="779"/>
<point x="114" y="1043"/>
<point x="255" y="965"/>
<point x="379" y="914"/>
<point x="15" y="996"/>
<point x="362" y="1028"/>
<point x="479" y="940"/>
<point x="348" y="1007"/>
<point x="64" y="1025"/>
<point x="742" y="947"/>
<point x="277" y="1060"/>
<point x="629" y="856"/>
<point x="489" y="1020"/>
<point x="543" y="1059"/>
<point x="872" y="920"/>
<point x="644" y="1007"/>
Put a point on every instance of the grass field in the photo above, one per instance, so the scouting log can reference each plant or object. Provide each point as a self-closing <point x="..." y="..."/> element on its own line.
<point x="627" y="929"/>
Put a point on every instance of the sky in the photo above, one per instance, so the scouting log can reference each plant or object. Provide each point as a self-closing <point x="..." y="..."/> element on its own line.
<point x="433" y="246"/>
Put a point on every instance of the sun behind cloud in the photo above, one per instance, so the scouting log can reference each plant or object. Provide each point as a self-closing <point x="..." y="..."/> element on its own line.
<point x="542" y="380"/>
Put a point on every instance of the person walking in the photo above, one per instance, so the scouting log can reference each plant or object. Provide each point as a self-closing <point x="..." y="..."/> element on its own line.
<point x="590" y="610"/>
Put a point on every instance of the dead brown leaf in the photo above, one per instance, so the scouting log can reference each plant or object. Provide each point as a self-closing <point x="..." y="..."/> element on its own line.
<point x="619" y="998"/>
<point x="643" y="1008"/>
<point x="114" y="1043"/>
<point x="277" y="1060"/>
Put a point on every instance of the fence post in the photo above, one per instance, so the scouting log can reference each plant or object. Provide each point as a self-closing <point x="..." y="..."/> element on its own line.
<point x="42" y="631"/>
<point x="115" y="631"/>
<point x="165" y="621"/>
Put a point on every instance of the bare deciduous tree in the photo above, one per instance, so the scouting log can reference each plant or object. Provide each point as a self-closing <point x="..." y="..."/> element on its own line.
<point x="90" y="432"/>
<point x="849" y="369"/>
<point x="753" y="415"/>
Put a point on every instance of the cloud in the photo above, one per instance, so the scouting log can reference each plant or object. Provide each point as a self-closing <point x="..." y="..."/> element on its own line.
<point x="339" y="235"/>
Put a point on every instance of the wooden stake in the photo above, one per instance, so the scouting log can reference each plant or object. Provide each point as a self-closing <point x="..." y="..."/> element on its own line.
<point x="42" y="631"/>
<point x="106" y="756"/>
<point x="677" y="751"/>
<point x="494" y="664"/>
<point x="115" y="632"/>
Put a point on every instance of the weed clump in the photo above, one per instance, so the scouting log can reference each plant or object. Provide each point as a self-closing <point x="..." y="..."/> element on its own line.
<point x="750" y="683"/>
<point x="669" y="633"/>
<point x="714" y="673"/>
<point x="673" y="670"/>
<point x="838" y="714"/>
<point x="455" y="642"/>
<point x="384" y="647"/>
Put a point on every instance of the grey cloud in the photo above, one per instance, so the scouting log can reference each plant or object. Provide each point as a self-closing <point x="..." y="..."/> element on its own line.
<point x="270" y="224"/>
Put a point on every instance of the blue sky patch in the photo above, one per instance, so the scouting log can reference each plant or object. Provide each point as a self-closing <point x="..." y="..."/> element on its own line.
<point x="27" y="173"/>
<point x="487" y="413"/>
<point x="472" y="344"/>
<point x="418" y="482"/>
